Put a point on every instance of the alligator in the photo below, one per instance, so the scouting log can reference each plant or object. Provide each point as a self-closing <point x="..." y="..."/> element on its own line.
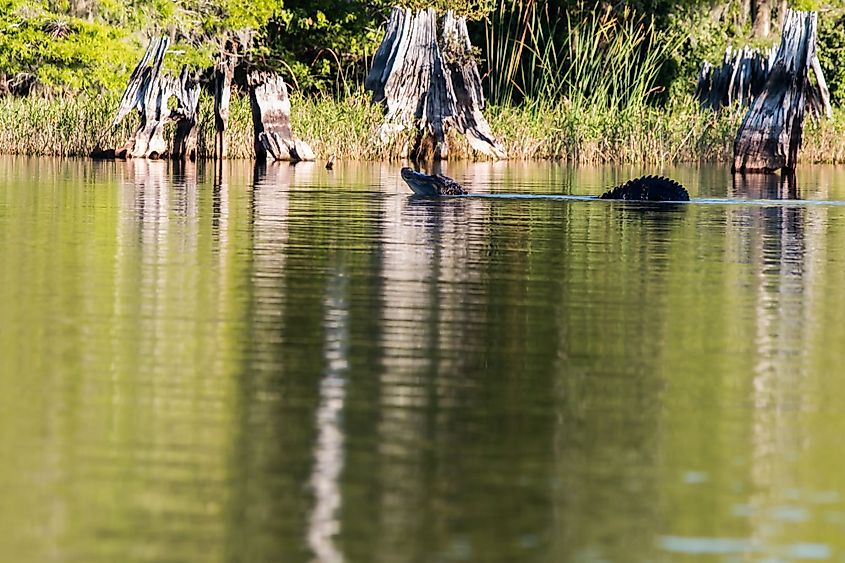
<point x="645" y="188"/>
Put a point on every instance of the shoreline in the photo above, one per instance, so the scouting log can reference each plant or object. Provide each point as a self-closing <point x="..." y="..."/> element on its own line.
<point x="679" y="133"/>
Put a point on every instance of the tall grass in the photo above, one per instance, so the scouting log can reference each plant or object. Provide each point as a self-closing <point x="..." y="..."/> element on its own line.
<point x="74" y="126"/>
<point x="537" y="54"/>
<point x="68" y="126"/>
<point x="347" y="128"/>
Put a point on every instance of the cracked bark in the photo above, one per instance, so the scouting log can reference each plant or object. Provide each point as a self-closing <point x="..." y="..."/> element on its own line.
<point x="425" y="74"/>
<point x="771" y="132"/>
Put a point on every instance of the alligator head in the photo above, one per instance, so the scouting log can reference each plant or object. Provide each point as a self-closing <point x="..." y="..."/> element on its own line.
<point x="431" y="185"/>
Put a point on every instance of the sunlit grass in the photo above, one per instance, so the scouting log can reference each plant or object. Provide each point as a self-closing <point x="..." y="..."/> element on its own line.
<point x="539" y="56"/>
<point x="347" y="128"/>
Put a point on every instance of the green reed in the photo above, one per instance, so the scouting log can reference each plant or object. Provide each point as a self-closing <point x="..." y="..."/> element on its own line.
<point x="539" y="55"/>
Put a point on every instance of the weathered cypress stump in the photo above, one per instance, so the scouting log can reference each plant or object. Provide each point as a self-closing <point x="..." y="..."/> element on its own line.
<point x="819" y="95"/>
<point x="270" y="104"/>
<point x="466" y="85"/>
<point x="743" y="75"/>
<point x="148" y="91"/>
<point x="740" y="78"/>
<point x="771" y="131"/>
<point x="224" y="70"/>
<point x="428" y="79"/>
<point x="186" y="90"/>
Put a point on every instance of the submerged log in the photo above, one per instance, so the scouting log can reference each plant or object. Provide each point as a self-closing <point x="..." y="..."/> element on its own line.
<point x="270" y="104"/>
<point x="425" y="73"/>
<point x="771" y="131"/>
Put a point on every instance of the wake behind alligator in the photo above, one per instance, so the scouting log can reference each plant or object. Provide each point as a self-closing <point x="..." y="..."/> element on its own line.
<point x="646" y="188"/>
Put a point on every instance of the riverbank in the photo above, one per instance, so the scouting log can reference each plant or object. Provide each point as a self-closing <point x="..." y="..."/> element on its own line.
<point x="678" y="133"/>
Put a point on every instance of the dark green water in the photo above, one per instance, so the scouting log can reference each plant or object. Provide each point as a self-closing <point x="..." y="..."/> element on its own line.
<point x="296" y="365"/>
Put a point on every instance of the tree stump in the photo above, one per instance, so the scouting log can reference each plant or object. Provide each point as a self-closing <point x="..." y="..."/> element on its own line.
<point x="742" y="76"/>
<point x="186" y="90"/>
<point x="819" y="96"/>
<point x="270" y="104"/>
<point x="771" y="131"/>
<point x="148" y="91"/>
<point x="224" y="70"/>
<point x="425" y="73"/>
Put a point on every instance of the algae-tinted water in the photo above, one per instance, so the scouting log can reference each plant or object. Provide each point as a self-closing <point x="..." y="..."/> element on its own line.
<point x="290" y="364"/>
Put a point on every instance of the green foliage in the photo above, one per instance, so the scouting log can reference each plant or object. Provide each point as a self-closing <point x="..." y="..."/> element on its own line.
<point x="471" y="9"/>
<point x="323" y="44"/>
<point x="831" y="51"/>
<point x="601" y="59"/>
<point x="39" y="48"/>
<point x="46" y="45"/>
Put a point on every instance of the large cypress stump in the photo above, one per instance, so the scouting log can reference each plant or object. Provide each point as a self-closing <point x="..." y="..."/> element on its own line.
<point x="270" y="104"/>
<point x="425" y="73"/>
<point x="770" y="134"/>
<point x="148" y="91"/>
<point x="740" y="78"/>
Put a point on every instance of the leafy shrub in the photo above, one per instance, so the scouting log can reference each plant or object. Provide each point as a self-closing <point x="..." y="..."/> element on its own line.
<point x="831" y="50"/>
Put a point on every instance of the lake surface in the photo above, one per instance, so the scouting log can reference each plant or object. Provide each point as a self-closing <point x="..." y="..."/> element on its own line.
<point x="290" y="364"/>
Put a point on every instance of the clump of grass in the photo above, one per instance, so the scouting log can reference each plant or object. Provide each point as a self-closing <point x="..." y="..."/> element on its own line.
<point x="69" y="126"/>
<point x="824" y="139"/>
<point x="679" y="132"/>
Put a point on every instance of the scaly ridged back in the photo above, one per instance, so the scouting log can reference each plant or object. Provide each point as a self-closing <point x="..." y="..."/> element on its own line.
<point x="648" y="188"/>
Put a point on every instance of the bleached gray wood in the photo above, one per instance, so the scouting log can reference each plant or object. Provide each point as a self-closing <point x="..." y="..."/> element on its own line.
<point x="134" y="94"/>
<point x="186" y="90"/>
<point x="147" y="91"/>
<point x="771" y="132"/>
<point x="466" y="87"/>
<point x="224" y="70"/>
<point x="385" y="54"/>
<point x="743" y="74"/>
<point x="739" y="79"/>
<point x="270" y="104"/>
<point x="426" y="76"/>
<point x="821" y="90"/>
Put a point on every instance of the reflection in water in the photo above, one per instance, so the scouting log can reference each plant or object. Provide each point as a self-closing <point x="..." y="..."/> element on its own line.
<point x="764" y="186"/>
<point x="323" y="523"/>
<point x="275" y="363"/>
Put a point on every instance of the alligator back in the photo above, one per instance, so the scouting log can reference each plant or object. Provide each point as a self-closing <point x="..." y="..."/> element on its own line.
<point x="648" y="188"/>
